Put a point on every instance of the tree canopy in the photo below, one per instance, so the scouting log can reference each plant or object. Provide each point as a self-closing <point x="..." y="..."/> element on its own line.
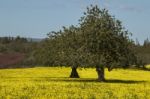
<point x="99" y="41"/>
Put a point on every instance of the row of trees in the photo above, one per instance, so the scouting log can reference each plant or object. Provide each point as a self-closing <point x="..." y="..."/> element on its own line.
<point x="6" y="40"/>
<point x="16" y="47"/>
<point x="99" y="41"/>
<point x="11" y="44"/>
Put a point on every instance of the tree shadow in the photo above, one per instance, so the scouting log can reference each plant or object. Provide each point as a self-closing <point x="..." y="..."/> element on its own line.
<point x="124" y="81"/>
<point x="95" y="80"/>
<point x="67" y="79"/>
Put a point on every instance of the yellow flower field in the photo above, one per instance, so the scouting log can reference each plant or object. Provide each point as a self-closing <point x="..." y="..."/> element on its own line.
<point x="53" y="83"/>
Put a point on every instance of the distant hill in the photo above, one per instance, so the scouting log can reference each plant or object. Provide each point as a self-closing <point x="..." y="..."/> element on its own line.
<point x="35" y="39"/>
<point x="28" y="38"/>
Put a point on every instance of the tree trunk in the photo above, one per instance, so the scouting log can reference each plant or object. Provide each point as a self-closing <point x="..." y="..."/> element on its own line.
<point x="74" y="73"/>
<point x="100" y="72"/>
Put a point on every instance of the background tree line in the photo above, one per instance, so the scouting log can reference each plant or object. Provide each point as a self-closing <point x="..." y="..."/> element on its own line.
<point x="142" y="53"/>
<point x="16" y="51"/>
<point x="15" y="44"/>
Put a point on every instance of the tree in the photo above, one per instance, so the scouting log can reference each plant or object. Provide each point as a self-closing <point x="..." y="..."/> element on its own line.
<point x="106" y="41"/>
<point x="99" y="41"/>
<point x="146" y="43"/>
<point x="70" y="50"/>
<point x="73" y="51"/>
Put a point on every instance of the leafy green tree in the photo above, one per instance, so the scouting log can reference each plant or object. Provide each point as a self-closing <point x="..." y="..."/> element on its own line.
<point x="68" y="48"/>
<point x="105" y="40"/>
<point x="98" y="41"/>
<point x="72" y="48"/>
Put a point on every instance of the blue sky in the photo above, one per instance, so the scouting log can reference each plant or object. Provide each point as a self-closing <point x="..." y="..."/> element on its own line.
<point x="35" y="18"/>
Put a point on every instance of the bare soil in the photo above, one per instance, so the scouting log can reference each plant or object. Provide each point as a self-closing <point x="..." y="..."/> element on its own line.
<point x="7" y="60"/>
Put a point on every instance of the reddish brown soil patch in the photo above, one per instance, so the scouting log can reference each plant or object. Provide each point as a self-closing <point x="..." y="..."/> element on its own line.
<point x="9" y="59"/>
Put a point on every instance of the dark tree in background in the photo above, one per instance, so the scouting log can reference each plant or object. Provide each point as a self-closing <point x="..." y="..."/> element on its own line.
<point x="142" y="54"/>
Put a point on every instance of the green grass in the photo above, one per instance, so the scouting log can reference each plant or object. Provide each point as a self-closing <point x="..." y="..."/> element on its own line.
<point x="53" y="82"/>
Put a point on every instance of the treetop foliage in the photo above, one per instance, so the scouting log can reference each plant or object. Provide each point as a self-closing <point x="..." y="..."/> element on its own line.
<point x="99" y="39"/>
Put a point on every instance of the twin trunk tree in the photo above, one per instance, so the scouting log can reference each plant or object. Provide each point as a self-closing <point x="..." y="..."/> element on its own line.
<point x="100" y="72"/>
<point x="97" y="35"/>
<point x="104" y="38"/>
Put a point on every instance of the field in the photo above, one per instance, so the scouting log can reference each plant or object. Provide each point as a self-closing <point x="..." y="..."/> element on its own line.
<point x="53" y="83"/>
